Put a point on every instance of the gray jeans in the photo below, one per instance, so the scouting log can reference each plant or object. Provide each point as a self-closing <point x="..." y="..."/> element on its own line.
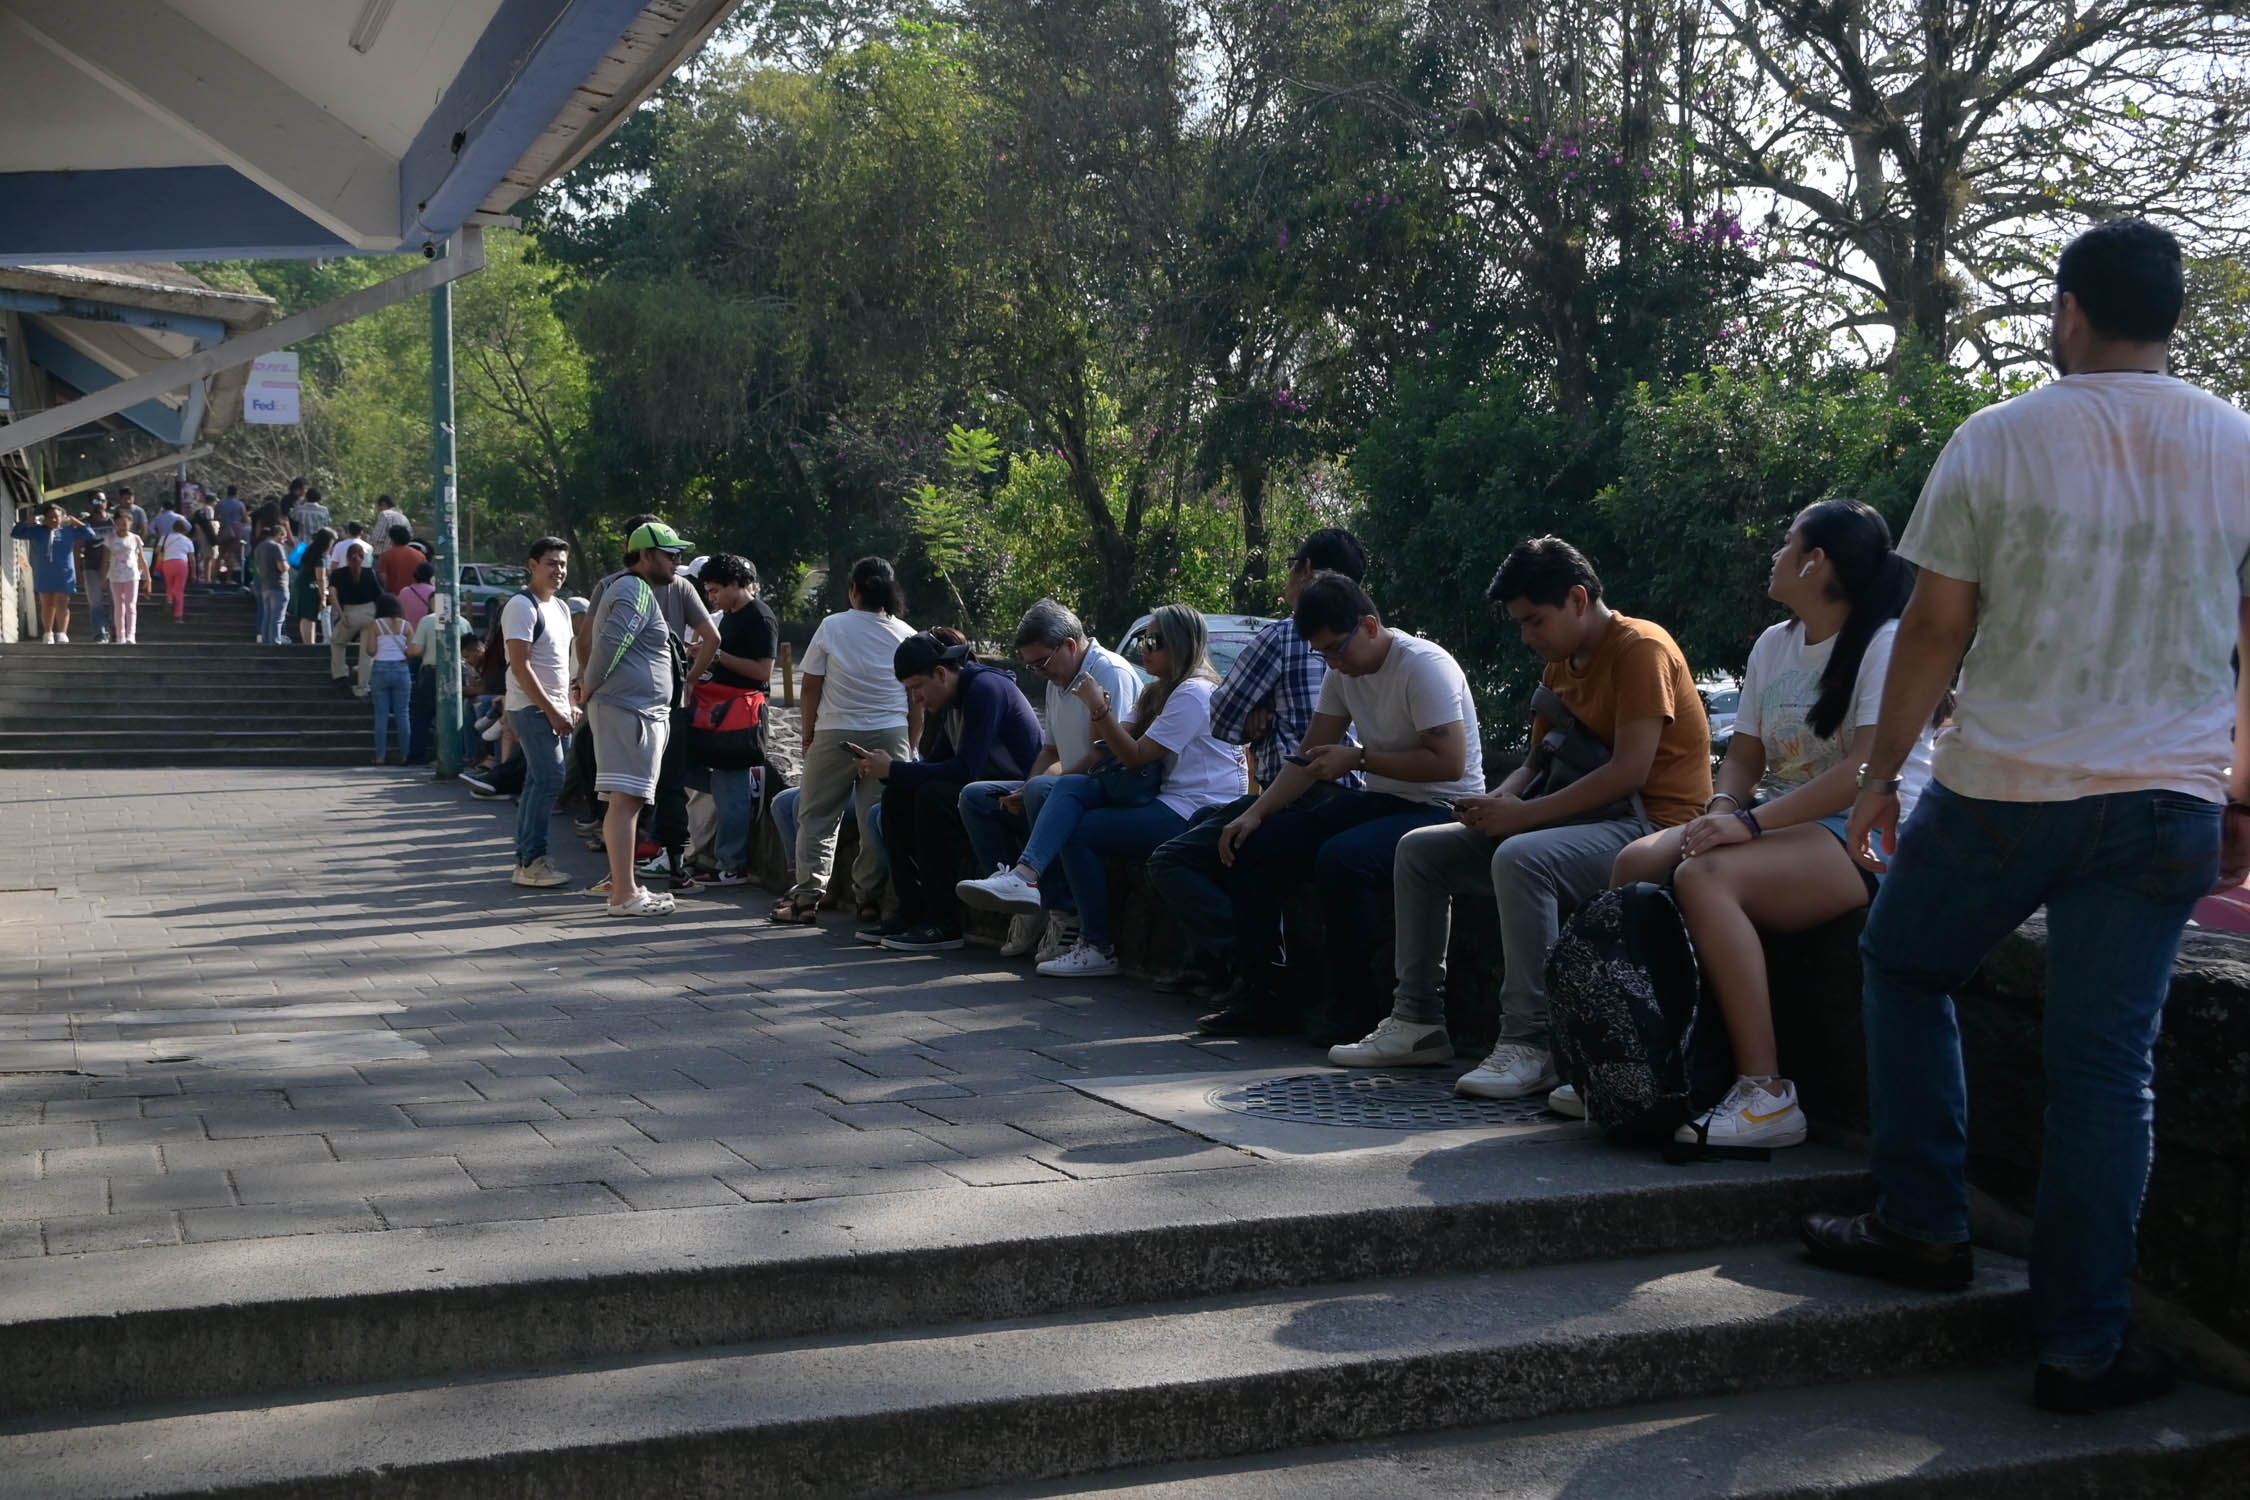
<point x="1536" y="878"/>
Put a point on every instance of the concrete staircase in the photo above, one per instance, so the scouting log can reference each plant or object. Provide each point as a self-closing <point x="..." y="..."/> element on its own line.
<point x="1559" y="1320"/>
<point x="196" y="692"/>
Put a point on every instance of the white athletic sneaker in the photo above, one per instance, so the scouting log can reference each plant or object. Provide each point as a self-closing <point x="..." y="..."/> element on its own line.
<point x="1565" y="1101"/>
<point x="48" y="639"/>
<point x="539" y="873"/>
<point x="1395" y="1044"/>
<point x="1084" y="961"/>
<point x="1061" y="936"/>
<point x="62" y="638"/>
<point x="1002" y="890"/>
<point x="1513" y="1071"/>
<point x="1752" y="1114"/>
<point x="643" y="903"/>
<point x="1025" y="929"/>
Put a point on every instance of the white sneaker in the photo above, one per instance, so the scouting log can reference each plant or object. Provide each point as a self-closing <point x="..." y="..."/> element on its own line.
<point x="1025" y="929"/>
<point x="1750" y="1115"/>
<point x="1061" y="936"/>
<point x="62" y="638"/>
<point x="1002" y="890"/>
<point x="1395" y="1044"/>
<point x="1513" y="1071"/>
<point x="1084" y="961"/>
<point x="539" y="873"/>
<point x="1565" y="1101"/>
<point x="643" y="903"/>
<point x="492" y="733"/>
<point x="48" y="639"/>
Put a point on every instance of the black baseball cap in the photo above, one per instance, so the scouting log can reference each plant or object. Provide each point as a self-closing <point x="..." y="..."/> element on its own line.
<point x="922" y="652"/>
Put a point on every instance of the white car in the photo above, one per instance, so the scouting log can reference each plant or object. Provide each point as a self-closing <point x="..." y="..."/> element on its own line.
<point x="1722" y="699"/>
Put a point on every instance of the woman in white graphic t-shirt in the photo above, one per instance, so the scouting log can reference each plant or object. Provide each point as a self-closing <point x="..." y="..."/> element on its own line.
<point x="1769" y="851"/>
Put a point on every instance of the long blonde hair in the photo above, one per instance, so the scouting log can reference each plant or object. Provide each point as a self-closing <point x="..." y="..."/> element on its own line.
<point x="1187" y="644"/>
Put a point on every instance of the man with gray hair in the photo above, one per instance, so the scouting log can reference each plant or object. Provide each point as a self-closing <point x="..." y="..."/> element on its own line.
<point x="998" y="815"/>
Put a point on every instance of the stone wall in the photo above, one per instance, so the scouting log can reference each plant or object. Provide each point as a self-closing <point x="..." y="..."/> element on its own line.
<point x="2195" y="1236"/>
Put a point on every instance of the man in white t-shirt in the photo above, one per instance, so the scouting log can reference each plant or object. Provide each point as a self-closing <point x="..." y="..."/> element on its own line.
<point x="536" y="627"/>
<point x="1409" y="704"/>
<point x="2088" y="545"/>
<point x="998" y="815"/>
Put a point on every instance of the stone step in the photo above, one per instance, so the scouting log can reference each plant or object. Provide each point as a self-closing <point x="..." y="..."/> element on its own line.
<point x="985" y="1403"/>
<point x="206" y="737"/>
<point x="1966" y="1435"/>
<point x="325" y="710"/>
<point x="232" y="1319"/>
<point x="114" y="760"/>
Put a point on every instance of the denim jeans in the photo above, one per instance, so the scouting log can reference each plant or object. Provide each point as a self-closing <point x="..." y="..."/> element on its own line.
<point x="97" y="603"/>
<point x="783" y="810"/>
<point x="542" y="778"/>
<point x="736" y="795"/>
<point x="273" y="604"/>
<point x="1075" y="830"/>
<point x="390" y="683"/>
<point x="1186" y="872"/>
<point x="997" y="838"/>
<point x="2119" y="875"/>
<point x="1344" y="841"/>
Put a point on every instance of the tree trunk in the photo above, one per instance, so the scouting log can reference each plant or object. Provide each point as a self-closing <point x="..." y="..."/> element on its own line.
<point x="1253" y="587"/>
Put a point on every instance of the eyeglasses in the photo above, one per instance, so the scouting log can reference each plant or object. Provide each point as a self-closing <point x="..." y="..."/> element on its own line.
<point x="1336" y="651"/>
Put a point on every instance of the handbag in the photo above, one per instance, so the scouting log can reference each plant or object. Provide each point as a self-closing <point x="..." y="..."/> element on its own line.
<point x="1570" y="752"/>
<point x="1128" y="786"/>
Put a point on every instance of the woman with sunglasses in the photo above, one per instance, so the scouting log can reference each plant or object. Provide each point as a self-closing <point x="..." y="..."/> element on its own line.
<point x="1163" y="768"/>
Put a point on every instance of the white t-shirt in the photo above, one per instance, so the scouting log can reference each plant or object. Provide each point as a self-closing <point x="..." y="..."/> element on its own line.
<point x="851" y="653"/>
<point x="339" y="556"/>
<point x="2106" y="521"/>
<point x="1199" y="771"/>
<point x="1070" y="723"/>
<point x="1779" y="689"/>
<point x="176" y="548"/>
<point x="127" y="557"/>
<point x="1419" y="686"/>
<point x="548" y="657"/>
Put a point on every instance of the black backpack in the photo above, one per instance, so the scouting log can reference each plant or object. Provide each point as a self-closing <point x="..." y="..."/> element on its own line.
<point x="1634" y="1030"/>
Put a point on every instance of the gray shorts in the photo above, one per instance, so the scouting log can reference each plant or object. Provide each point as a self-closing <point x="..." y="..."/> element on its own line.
<point x="628" y="747"/>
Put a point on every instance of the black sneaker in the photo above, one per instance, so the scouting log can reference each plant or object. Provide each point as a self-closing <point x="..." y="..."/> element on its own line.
<point x="1248" y="1009"/>
<point x="1860" y="1245"/>
<point x="1201" y="978"/>
<point x="924" y="937"/>
<point x="882" y="932"/>
<point x="480" y="788"/>
<point x="2139" y="1373"/>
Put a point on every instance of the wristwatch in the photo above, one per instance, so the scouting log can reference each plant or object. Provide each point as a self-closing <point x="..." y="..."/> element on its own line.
<point x="1869" y="782"/>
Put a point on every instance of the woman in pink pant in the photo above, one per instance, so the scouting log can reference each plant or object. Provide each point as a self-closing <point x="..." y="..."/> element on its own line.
<point x="128" y="580"/>
<point x="175" y="555"/>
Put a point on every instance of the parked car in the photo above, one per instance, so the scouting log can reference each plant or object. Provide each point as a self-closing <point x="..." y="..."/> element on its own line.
<point x="1722" y="699"/>
<point x="1231" y="635"/>
<point x="487" y="585"/>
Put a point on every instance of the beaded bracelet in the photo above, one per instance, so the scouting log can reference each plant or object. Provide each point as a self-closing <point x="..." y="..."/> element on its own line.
<point x="1750" y="821"/>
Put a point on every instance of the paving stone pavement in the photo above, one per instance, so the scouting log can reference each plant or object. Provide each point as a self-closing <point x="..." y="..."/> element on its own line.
<point x="253" y="1003"/>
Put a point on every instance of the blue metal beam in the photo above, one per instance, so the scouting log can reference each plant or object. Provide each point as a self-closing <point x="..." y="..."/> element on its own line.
<point x="523" y="70"/>
<point x="205" y="331"/>
<point x="202" y="213"/>
<point x="82" y="374"/>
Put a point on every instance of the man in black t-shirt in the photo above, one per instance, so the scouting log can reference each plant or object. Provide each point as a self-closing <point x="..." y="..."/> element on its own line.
<point x="749" y="637"/>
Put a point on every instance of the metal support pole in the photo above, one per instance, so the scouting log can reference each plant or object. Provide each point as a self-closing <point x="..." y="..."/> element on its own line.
<point x="448" y="559"/>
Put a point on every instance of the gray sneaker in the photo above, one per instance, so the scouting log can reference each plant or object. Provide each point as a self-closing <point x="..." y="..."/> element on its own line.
<point x="1061" y="936"/>
<point x="539" y="873"/>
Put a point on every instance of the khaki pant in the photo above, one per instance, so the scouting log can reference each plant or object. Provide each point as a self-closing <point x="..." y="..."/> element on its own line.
<point x="351" y="620"/>
<point x="828" y="782"/>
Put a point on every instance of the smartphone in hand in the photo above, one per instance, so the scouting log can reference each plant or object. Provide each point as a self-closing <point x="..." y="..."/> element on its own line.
<point x="1297" y="760"/>
<point x="857" y="752"/>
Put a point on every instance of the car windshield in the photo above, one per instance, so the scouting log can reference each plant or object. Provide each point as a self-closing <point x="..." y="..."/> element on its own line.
<point x="502" y="578"/>
<point x="1224" y="652"/>
<point x="1726" y="702"/>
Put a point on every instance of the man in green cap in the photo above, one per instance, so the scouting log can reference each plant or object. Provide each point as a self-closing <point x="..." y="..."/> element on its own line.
<point x="628" y="684"/>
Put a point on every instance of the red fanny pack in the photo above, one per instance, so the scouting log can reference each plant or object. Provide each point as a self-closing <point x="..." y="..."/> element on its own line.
<point x="723" y="709"/>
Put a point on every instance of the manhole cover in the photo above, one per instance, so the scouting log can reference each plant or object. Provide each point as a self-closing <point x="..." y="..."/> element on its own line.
<point x="1375" y="1101"/>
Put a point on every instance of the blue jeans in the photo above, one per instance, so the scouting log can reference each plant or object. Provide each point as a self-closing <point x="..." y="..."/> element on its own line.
<point x="1076" y="831"/>
<point x="2119" y="875"/>
<point x="783" y="809"/>
<point x="734" y="793"/>
<point x="273" y="607"/>
<point x="97" y="604"/>
<point x="997" y="838"/>
<point x="389" y="684"/>
<point x="542" y="780"/>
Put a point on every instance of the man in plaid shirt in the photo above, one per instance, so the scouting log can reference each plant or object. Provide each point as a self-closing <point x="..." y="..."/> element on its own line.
<point x="1266" y="702"/>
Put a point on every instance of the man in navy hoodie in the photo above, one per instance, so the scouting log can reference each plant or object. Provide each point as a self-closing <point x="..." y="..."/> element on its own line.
<point x="995" y="736"/>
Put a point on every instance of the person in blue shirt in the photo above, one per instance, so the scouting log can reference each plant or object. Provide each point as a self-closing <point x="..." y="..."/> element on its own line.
<point x="54" y="539"/>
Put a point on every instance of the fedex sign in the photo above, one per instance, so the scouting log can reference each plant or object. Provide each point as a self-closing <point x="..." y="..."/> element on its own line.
<point x="271" y="395"/>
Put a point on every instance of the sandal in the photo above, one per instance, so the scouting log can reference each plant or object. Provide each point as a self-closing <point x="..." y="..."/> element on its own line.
<point x="790" y="912"/>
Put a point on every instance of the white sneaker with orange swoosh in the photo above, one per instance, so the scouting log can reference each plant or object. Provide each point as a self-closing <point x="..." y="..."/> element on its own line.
<point x="1752" y="1114"/>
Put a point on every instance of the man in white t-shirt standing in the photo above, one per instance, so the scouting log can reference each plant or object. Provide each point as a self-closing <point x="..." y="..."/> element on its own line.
<point x="2088" y="545"/>
<point x="1052" y="641"/>
<point x="1417" y="726"/>
<point x="536" y="627"/>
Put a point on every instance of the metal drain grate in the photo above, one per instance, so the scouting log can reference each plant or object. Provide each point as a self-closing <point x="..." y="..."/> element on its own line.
<point x="1375" y="1101"/>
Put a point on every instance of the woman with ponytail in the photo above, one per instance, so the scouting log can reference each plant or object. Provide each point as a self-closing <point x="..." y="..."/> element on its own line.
<point x="1810" y="698"/>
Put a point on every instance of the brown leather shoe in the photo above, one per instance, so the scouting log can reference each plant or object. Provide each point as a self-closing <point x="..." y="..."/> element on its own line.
<point x="1859" y="1243"/>
<point x="2138" y="1373"/>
